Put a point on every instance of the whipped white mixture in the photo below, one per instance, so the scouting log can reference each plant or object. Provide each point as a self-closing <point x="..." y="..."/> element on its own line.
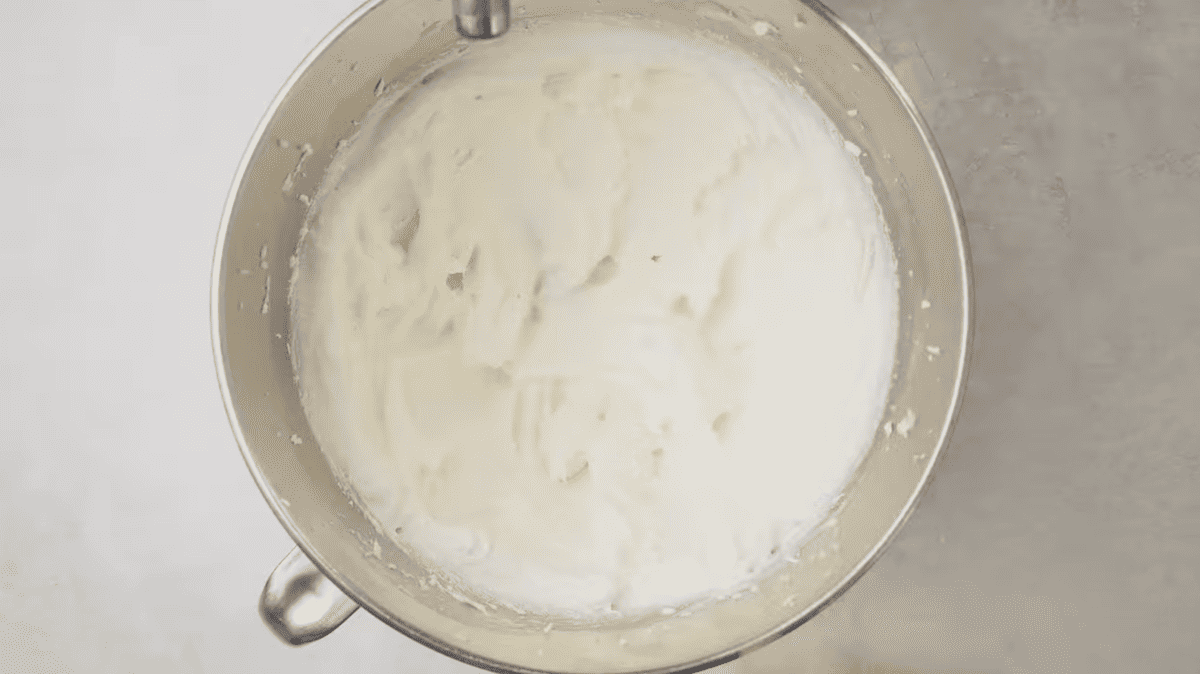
<point x="599" y="319"/>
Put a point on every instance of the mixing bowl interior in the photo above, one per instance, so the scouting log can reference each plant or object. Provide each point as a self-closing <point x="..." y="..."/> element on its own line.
<point x="388" y="46"/>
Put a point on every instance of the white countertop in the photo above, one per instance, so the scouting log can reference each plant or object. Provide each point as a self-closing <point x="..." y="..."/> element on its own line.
<point x="1061" y="535"/>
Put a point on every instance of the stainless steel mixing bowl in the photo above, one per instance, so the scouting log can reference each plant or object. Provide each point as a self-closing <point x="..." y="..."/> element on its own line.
<point x="342" y="562"/>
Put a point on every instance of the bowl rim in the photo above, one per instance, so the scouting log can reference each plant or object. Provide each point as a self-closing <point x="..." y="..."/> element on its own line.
<point x="948" y="194"/>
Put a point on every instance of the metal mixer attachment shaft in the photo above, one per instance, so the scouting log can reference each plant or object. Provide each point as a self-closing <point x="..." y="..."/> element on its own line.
<point x="481" y="18"/>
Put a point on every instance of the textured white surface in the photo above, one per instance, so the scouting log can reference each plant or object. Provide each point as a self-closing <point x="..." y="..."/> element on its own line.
<point x="1061" y="533"/>
<point x="658" y="434"/>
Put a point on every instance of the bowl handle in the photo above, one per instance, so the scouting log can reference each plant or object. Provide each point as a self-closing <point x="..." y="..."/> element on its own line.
<point x="300" y="604"/>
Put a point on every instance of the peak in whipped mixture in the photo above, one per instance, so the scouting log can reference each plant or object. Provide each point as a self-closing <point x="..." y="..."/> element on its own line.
<point x="600" y="319"/>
